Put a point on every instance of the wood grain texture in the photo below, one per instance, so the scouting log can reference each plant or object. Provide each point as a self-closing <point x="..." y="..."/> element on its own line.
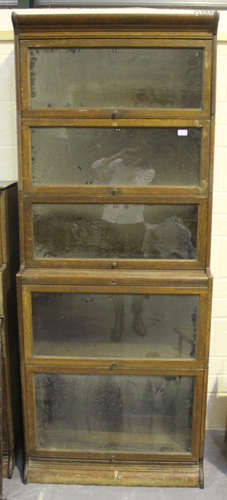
<point x="152" y="278"/>
<point x="71" y="472"/>
<point x="162" y="22"/>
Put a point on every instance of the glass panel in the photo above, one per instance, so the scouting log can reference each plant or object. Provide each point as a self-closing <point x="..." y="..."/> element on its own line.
<point x="115" y="231"/>
<point x="124" y="156"/>
<point x="114" y="412"/>
<point x="114" y="325"/>
<point x="116" y="77"/>
<point x="8" y="3"/>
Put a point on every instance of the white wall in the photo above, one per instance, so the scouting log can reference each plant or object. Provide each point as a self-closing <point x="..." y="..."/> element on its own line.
<point x="217" y="386"/>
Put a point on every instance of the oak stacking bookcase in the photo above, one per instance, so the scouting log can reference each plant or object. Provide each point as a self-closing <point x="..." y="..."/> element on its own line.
<point x="115" y="134"/>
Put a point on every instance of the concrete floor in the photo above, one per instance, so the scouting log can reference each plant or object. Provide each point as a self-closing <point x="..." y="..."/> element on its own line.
<point x="215" y="483"/>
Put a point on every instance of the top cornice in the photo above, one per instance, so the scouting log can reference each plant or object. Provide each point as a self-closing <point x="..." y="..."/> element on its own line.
<point x="159" y="21"/>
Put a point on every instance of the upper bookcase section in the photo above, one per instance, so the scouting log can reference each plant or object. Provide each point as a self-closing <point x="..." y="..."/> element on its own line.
<point x="121" y="65"/>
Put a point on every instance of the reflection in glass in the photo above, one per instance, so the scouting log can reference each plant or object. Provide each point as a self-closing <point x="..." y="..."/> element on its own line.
<point x="114" y="325"/>
<point x="110" y="156"/>
<point x="114" y="412"/>
<point x="116" y="77"/>
<point x="115" y="231"/>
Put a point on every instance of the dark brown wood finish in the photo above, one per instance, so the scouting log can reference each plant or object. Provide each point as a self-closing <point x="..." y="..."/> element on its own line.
<point x="114" y="276"/>
<point x="10" y="258"/>
<point x="187" y="23"/>
<point x="157" y="278"/>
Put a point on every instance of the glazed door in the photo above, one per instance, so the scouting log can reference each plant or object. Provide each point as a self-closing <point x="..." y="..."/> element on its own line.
<point x="114" y="416"/>
<point x="146" y="233"/>
<point x="150" y="77"/>
<point x="115" y="324"/>
<point x="139" y="156"/>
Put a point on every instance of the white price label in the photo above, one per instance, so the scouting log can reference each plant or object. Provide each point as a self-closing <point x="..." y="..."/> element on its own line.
<point x="182" y="132"/>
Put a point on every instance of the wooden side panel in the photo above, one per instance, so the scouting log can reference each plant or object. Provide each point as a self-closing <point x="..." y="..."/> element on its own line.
<point x="9" y="241"/>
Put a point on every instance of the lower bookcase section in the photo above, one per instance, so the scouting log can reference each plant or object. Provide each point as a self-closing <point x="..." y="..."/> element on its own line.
<point x="125" y="412"/>
<point x="151" y="420"/>
<point x="116" y="474"/>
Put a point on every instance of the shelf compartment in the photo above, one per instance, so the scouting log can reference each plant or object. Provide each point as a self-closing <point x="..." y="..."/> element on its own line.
<point x="115" y="231"/>
<point x="130" y="416"/>
<point x="120" y="324"/>
<point x="136" y="155"/>
<point x="179" y="87"/>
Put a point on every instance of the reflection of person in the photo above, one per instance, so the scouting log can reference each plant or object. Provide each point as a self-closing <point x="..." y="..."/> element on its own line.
<point x="137" y="318"/>
<point x="127" y="220"/>
<point x="123" y="168"/>
<point x="170" y="239"/>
